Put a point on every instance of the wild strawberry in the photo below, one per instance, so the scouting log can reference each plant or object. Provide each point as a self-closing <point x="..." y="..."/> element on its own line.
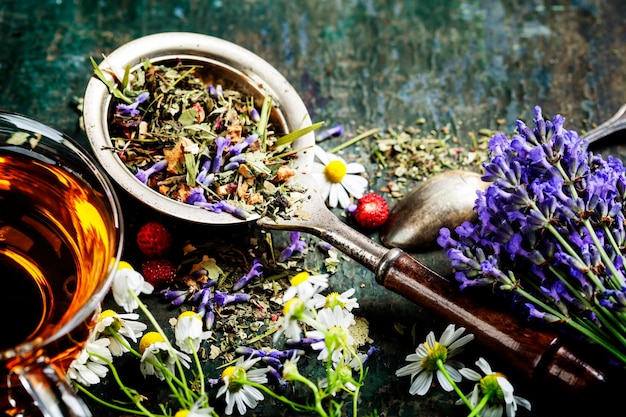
<point x="371" y="211"/>
<point x="154" y="240"/>
<point x="159" y="272"/>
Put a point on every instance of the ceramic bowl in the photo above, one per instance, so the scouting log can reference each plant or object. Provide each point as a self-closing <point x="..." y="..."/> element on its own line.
<point x="222" y="61"/>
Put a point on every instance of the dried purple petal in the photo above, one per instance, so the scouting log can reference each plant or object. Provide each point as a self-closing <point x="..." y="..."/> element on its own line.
<point x="144" y="174"/>
<point x="255" y="271"/>
<point x="296" y="246"/>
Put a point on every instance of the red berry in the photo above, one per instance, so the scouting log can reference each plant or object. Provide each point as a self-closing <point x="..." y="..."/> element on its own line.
<point x="371" y="211"/>
<point x="158" y="272"/>
<point x="154" y="240"/>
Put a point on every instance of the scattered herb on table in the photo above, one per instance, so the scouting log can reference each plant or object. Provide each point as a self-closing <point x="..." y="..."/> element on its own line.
<point x="410" y="153"/>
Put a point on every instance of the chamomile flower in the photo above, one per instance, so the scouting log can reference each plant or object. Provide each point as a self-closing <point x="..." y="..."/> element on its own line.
<point x="497" y="387"/>
<point x="335" y="335"/>
<point x="156" y="354"/>
<point x="343" y="300"/>
<point x="112" y="325"/>
<point x="126" y="282"/>
<point x="188" y="332"/>
<point x="338" y="180"/>
<point x="305" y="286"/>
<point x="235" y="389"/>
<point x="90" y="365"/>
<point x="423" y="363"/>
<point x="294" y="311"/>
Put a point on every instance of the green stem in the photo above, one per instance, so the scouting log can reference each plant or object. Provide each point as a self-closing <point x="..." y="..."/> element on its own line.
<point x="480" y="405"/>
<point x="196" y="360"/>
<point x="114" y="406"/>
<point x="454" y="385"/>
<point x="130" y="393"/>
<point x="578" y="326"/>
<point x="294" y="405"/>
<point x="605" y="257"/>
<point x="355" y="139"/>
<point x="182" y="382"/>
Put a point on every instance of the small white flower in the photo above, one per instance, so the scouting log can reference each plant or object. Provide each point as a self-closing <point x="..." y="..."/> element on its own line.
<point x="126" y="280"/>
<point x="335" y="335"/>
<point x="155" y="351"/>
<point x="497" y="386"/>
<point x="423" y="363"/>
<point x="188" y="332"/>
<point x="124" y="325"/>
<point x="344" y="300"/>
<point x="87" y="369"/>
<point x="294" y="311"/>
<point x="305" y="286"/>
<point x="336" y="179"/>
<point x="235" y="387"/>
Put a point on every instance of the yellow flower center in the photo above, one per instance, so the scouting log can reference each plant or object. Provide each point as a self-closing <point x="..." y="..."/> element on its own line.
<point x="115" y="325"/>
<point x="332" y="301"/>
<point x="124" y="265"/>
<point x="336" y="338"/>
<point x="181" y="413"/>
<point x="435" y="353"/>
<point x="489" y="385"/>
<point x="291" y="306"/>
<point x="189" y="314"/>
<point x="233" y="375"/>
<point x="149" y="339"/>
<point x="107" y="313"/>
<point x="299" y="278"/>
<point x="335" y="171"/>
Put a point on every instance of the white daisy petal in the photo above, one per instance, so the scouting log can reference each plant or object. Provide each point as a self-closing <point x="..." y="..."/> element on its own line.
<point x="443" y="382"/>
<point x="354" y="168"/>
<point x="422" y="383"/>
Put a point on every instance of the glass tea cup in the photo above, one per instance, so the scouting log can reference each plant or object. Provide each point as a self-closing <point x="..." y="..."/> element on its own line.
<point x="60" y="241"/>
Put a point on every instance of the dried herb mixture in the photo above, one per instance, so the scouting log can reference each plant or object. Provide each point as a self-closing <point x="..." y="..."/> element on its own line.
<point x="201" y="144"/>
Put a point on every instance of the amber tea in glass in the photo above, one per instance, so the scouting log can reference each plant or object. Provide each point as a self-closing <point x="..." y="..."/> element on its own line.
<point x="60" y="238"/>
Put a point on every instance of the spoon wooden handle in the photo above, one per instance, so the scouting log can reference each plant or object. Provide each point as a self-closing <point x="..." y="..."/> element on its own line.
<point x="537" y="355"/>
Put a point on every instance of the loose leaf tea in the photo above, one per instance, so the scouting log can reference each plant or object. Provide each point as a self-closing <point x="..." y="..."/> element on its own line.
<point x="202" y="144"/>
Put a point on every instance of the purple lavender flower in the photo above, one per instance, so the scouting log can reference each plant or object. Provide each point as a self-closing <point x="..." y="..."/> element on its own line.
<point x="224" y="206"/>
<point x="196" y="195"/>
<point x="144" y="174"/>
<point x="234" y="162"/>
<point x="131" y="109"/>
<point x="336" y="130"/>
<point x="254" y="115"/>
<point x="296" y="246"/>
<point x="239" y="147"/>
<point x="215" y="91"/>
<point x="175" y="297"/>
<point x="222" y="298"/>
<point x="550" y="231"/>
<point x="221" y="143"/>
<point x="255" y="271"/>
<point x="205" y="177"/>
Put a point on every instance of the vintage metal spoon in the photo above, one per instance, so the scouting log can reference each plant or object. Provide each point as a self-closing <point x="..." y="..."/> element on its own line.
<point x="538" y="356"/>
<point x="447" y="200"/>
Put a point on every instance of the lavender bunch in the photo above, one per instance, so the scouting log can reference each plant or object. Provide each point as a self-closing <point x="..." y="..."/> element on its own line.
<point x="550" y="232"/>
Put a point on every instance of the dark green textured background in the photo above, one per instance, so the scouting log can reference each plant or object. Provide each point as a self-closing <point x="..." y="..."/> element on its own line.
<point x="359" y="63"/>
